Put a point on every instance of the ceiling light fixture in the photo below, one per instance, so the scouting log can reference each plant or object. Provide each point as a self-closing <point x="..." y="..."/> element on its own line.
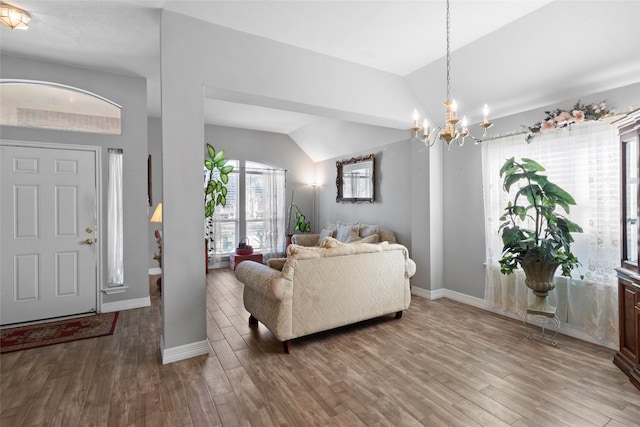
<point x="454" y="130"/>
<point x="16" y="19"/>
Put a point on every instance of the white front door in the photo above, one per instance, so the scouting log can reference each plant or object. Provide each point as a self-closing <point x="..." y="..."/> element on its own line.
<point x="47" y="233"/>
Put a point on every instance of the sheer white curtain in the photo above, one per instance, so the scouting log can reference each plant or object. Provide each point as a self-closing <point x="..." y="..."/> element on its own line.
<point x="585" y="161"/>
<point x="115" y="253"/>
<point x="274" y="212"/>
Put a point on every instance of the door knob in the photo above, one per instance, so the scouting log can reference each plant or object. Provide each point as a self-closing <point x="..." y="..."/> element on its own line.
<point x="89" y="230"/>
<point x="89" y="241"/>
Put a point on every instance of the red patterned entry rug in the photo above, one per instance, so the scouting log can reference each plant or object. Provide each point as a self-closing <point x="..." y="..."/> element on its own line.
<point x="60" y="331"/>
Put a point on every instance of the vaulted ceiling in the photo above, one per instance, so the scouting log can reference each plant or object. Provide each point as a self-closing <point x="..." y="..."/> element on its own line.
<point x="514" y="55"/>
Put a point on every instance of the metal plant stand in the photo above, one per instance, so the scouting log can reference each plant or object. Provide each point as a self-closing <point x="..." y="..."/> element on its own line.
<point x="542" y="320"/>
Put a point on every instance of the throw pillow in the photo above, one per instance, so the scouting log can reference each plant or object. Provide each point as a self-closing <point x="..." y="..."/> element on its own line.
<point x="347" y="232"/>
<point x="387" y="236"/>
<point x="276" y="263"/>
<point x="367" y="230"/>
<point x="303" y="252"/>
<point x="369" y="239"/>
<point x="325" y="233"/>
<point x="353" y="238"/>
<point x="330" y="242"/>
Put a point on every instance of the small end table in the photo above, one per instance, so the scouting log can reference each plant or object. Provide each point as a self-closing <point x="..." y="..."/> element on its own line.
<point x="235" y="259"/>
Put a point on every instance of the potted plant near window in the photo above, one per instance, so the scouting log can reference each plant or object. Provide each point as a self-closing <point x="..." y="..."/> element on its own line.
<point x="215" y="191"/>
<point x="535" y="235"/>
<point x="301" y="224"/>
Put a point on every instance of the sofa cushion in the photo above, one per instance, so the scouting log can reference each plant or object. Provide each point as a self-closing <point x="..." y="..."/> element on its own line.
<point x="347" y="231"/>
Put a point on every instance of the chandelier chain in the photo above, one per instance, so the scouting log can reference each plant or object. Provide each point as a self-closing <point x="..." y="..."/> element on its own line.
<point x="448" y="54"/>
<point x="454" y="130"/>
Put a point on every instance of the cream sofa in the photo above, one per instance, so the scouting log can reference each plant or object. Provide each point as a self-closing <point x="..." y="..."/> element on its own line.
<point x="321" y="288"/>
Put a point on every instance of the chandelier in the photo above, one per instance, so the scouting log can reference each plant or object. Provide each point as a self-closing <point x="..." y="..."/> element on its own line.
<point x="16" y="19"/>
<point x="454" y="129"/>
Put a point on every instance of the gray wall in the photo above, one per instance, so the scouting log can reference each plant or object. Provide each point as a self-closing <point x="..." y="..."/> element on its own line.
<point x="408" y="202"/>
<point x="131" y="93"/>
<point x="392" y="207"/>
<point x="464" y="249"/>
<point x="221" y="63"/>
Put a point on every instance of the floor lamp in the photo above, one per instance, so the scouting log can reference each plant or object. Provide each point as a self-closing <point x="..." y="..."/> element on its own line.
<point x="313" y="186"/>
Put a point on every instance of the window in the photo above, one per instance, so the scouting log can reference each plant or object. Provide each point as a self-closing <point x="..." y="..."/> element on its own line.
<point x="255" y="209"/>
<point x="115" y="237"/>
<point x="226" y="225"/>
<point x="630" y="202"/>
<point x="34" y="104"/>
<point x="585" y="161"/>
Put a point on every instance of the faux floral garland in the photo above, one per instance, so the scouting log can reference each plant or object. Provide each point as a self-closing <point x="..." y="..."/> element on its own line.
<point x="558" y="118"/>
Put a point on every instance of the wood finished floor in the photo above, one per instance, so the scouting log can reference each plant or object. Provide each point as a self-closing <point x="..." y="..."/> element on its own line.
<point x="443" y="363"/>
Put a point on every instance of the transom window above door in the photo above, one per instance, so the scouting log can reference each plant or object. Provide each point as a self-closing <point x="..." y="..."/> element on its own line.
<point x="46" y="105"/>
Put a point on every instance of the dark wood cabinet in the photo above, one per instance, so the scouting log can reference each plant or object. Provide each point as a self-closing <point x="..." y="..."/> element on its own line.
<point x="628" y="357"/>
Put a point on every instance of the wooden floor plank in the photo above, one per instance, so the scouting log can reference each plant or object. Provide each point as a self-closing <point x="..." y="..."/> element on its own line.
<point x="443" y="364"/>
<point x="201" y="409"/>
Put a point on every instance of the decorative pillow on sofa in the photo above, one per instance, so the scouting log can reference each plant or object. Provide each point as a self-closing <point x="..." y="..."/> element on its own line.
<point x="303" y="252"/>
<point x="276" y="263"/>
<point x="373" y="238"/>
<point x="330" y="242"/>
<point x="347" y="232"/>
<point x="326" y="232"/>
<point x="387" y="236"/>
<point x="367" y="230"/>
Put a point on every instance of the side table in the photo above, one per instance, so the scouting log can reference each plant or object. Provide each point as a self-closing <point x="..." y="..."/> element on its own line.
<point x="235" y="259"/>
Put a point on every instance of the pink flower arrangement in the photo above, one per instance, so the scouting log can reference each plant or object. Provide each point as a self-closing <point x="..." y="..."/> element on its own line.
<point x="578" y="116"/>
<point x="547" y="125"/>
<point x="562" y="118"/>
<point x="558" y="118"/>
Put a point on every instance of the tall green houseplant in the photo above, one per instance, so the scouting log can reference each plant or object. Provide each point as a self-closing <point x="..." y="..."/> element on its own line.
<point x="215" y="190"/>
<point x="549" y="241"/>
<point x="535" y="235"/>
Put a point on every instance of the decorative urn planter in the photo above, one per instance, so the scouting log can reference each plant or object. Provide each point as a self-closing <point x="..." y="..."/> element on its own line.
<point x="539" y="278"/>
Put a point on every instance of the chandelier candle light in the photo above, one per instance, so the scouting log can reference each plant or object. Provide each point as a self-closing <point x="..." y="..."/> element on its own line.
<point x="454" y="129"/>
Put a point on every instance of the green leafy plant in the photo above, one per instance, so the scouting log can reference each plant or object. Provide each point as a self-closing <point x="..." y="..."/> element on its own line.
<point x="302" y="225"/>
<point x="535" y="205"/>
<point x="215" y="190"/>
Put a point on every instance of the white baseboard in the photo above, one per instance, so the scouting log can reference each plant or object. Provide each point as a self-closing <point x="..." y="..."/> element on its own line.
<point x="467" y="299"/>
<point x="127" y="304"/>
<point x="155" y="270"/>
<point x="426" y="293"/>
<point x="181" y="352"/>
<point x="565" y="329"/>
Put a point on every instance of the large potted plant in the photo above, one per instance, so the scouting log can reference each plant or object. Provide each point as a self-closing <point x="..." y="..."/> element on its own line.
<point x="215" y="191"/>
<point x="535" y="235"/>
